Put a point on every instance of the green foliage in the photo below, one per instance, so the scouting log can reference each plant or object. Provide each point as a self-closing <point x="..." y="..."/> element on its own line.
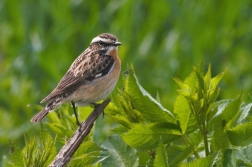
<point x="35" y="153"/>
<point x="201" y="131"/>
<point x="161" y="158"/>
<point x="163" y="39"/>
<point x="88" y="154"/>
<point x="120" y="154"/>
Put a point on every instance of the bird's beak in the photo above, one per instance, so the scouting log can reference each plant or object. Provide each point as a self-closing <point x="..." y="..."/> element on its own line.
<point x="117" y="43"/>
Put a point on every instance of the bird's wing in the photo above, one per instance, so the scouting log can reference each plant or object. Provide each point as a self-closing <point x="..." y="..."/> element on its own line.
<point x="88" y="69"/>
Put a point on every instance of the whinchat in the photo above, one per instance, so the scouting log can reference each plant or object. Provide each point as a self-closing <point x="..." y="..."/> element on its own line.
<point x="91" y="77"/>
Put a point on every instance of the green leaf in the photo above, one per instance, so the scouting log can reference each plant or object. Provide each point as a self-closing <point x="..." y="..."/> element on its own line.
<point x="241" y="134"/>
<point x="182" y="110"/>
<point x="16" y="155"/>
<point x="200" y="83"/>
<point x="152" y="110"/>
<point x="88" y="154"/>
<point x="245" y="155"/>
<point x="206" y="162"/>
<point x="47" y="145"/>
<point x="180" y="156"/>
<point x="207" y="78"/>
<point x="215" y="81"/>
<point x="230" y="113"/>
<point x="220" y="138"/>
<point x="144" y="158"/>
<point x="215" y="111"/>
<point x="161" y="158"/>
<point x="245" y="111"/>
<point x="119" y="153"/>
<point x="186" y="119"/>
<point x="146" y="136"/>
<point x="228" y="158"/>
<point x="195" y="138"/>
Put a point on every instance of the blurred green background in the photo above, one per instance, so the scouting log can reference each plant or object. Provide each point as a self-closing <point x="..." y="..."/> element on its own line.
<point x="162" y="39"/>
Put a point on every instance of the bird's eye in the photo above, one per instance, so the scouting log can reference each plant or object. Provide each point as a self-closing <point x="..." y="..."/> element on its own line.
<point x="100" y="43"/>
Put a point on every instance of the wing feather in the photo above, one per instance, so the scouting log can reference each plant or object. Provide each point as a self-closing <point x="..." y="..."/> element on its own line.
<point x="92" y="67"/>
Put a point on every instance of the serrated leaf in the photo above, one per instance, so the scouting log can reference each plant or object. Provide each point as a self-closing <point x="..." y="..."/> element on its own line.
<point x="207" y="78"/>
<point x="119" y="153"/>
<point x="244" y="113"/>
<point x="119" y="130"/>
<point x="191" y="81"/>
<point x="214" y="96"/>
<point x="186" y="152"/>
<point x="161" y="158"/>
<point x="173" y="151"/>
<point x="133" y="115"/>
<point x="241" y="134"/>
<point x="206" y="162"/>
<point x="228" y="158"/>
<point x="230" y="113"/>
<point x="245" y="155"/>
<point x="200" y="84"/>
<point x="152" y="110"/>
<point x="182" y="110"/>
<point x="16" y="155"/>
<point x="215" y="81"/>
<point x="195" y="138"/>
<point x="215" y="110"/>
<point x="220" y="138"/>
<point x="146" y="136"/>
<point x="88" y="154"/>
<point x="181" y="84"/>
<point x="121" y="120"/>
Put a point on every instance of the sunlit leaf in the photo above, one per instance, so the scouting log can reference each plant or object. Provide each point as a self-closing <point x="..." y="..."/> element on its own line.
<point x="161" y="158"/>
<point x="220" y="138"/>
<point x="182" y="110"/>
<point x="245" y="112"/>
<point x="182" y="155"/>
<point x="195" y="138"/>
<point x="215" y="81"/>
<point x="119" y="153"/>
<point x="152" y="110"/>
<point x="230" y="113"/>
<point x="245" y="155"/>
<point x="16" y="155"/>
<point x="146" y="136"/>
<point x="241" y="134"/>
<point x="207" y="78"/>
<point x="228" y="158"/>
<point x="88" y="154"/>
<point x="206" y="162"/>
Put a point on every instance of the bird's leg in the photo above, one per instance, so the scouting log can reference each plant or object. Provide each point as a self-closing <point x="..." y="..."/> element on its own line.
<point x="75" y="113"/>
<point x="96" y="105"/>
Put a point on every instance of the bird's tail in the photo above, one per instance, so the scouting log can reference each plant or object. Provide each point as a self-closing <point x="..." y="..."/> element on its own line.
<point x="41" y="115"/>
<point x="51" y="105"/>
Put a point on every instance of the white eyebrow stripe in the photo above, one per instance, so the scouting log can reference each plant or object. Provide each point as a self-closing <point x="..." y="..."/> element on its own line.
<point x="96" y="39"/>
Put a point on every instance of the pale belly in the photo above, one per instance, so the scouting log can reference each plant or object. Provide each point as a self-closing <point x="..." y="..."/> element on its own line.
<point x="94" y="91"/>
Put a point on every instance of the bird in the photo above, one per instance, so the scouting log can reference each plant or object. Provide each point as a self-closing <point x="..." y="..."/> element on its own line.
<point x="91" y="77"/>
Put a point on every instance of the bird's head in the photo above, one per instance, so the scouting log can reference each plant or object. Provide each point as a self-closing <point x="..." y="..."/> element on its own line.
<point x="105" y="42"/>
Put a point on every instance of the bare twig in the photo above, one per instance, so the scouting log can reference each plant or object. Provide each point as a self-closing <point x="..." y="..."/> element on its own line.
<point x="68" y="150"/>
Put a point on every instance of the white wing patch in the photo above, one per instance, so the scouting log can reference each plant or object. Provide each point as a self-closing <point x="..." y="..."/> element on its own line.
<point x="98" y="75"/>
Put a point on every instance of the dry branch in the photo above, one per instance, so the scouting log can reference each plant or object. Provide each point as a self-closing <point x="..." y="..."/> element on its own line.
<point x="68" y="150"/>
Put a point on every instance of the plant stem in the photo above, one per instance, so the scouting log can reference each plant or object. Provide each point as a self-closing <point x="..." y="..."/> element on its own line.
<point x="195" y="152"/>
<point x="205" y="140"/>
<point x="202" y="129"/>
